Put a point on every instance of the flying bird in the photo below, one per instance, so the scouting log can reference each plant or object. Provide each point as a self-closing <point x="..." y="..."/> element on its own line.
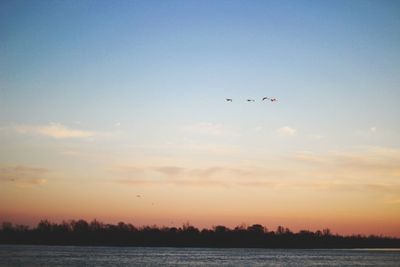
<point x="250" y="100"/>
<point x="273" y="99"/>
<point x="264" y="98"/>
<point x="229" y="99"/>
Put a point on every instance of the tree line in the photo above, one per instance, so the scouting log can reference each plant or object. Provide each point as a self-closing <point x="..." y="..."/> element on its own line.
<point x="96" y="233"/>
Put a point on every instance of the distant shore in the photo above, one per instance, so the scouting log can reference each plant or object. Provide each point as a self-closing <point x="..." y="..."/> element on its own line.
<point x="95" y="233"/>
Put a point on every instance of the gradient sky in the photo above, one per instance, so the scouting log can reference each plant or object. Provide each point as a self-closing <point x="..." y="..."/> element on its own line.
<point x="102" y="101"/>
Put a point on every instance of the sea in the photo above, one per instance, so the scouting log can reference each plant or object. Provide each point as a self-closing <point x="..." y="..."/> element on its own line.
<point x="22" y="255"/>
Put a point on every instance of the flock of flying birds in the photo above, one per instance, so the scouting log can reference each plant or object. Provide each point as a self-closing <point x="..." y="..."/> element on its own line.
<point x="252" y="100"/>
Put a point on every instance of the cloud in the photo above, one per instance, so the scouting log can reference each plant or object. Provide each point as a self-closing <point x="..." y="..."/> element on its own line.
<point x="368" y="163"/>
<point x="316" y="136"/>
<point x="176" y="182"/>
<point x="367" y="132"/>
<point x="286" y="131"/>
<point x="209" y="176"/>
<point x="57" y="131"/>
<point x="206" y="148"/>
<point x="170" y="170"/>
<point x="70" y="152"/>
<point x="23" y="175"/>
<point x="206" y="128"/>
<point x="205" y="176"/>
<point x="393" y="201"/>
<point x="310" y="157"/>
<point x="372" y="170"/>
<point x="54" y="130"/>
<point x="273" y="179"/>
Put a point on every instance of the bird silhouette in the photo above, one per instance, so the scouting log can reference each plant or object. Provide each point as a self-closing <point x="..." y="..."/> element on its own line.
<point x="264" y="98"/>
<point x="250" y="100"/>
<point x="229" y="99"/>
<point x="273" y="99"/>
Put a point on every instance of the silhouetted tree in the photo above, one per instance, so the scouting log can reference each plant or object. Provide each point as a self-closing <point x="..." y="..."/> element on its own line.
<point x="220" y="229"/>
<point x="95" y="225"/>
<point x="280" y="230"/>
<point x="7" y="226"/>
<point x="44" y="226"/>
<point x="326" y="232"/>
<point x="21" y="228"/>
<point x="80" y="226"/>
<point x="81" y="232"/>
<point x="256" y="228"/>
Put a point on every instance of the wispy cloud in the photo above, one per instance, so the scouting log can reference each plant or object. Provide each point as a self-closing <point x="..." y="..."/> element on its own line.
<point x="23" y="175"/>
<point x="286" y="131"/>
<point x="54" y="130"/>
<point x="310" y="157"/>
<point x="368" y="163"/>
<point x="205" y="148"/>
<point x="274" y="179"/>
<point x="170" y="170"/>
<point x="395" y="201"/>
<point x="373" y="170"/>
<point x="316" y="136"/>
<point x="207" y="128"/>
<point x="368" y="132"/>
<point x="206" y="176"/>
<point x="209" y="176"/>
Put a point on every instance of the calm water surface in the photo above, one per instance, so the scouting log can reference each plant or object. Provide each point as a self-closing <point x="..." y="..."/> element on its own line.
<point x="134" y="256"/>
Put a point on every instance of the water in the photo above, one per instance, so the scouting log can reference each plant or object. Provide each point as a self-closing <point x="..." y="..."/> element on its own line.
<point x="140" y="256"/>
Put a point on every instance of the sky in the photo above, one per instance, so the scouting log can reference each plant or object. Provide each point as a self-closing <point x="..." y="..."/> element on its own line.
<point x="116" y="110"/>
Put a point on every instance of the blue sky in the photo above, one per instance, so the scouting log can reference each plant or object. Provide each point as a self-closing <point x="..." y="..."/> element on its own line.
<point x="117" y="58"/>
<point x="91" y="85"/>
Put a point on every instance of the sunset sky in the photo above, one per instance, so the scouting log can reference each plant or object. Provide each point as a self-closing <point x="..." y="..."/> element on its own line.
<point x="116" y="110"/>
